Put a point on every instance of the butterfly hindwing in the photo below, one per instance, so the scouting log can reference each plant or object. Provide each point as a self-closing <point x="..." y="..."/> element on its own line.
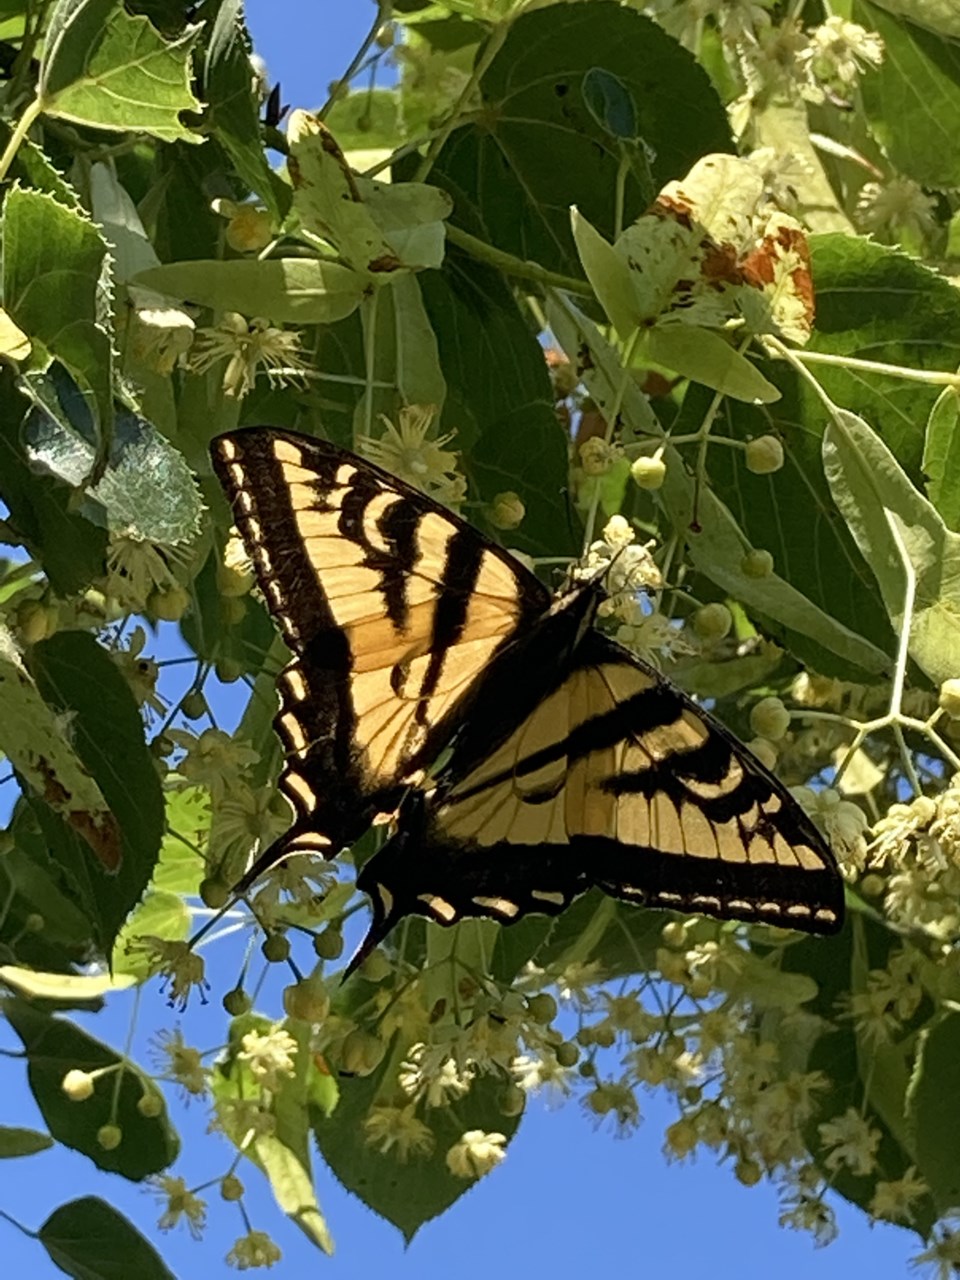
<point x="392" y="606"/>
<point x="570" y="763"/>
<point x="615" y="779"/>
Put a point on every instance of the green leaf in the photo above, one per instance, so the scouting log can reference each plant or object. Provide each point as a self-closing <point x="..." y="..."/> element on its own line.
<point x="75" y="674"/>
<point x="159" y="915"/>
<point x="65" y="988"/>
<point x="284" y="1155"/>
<point x="609" y="276"/>
<point x="715" y="541"/>
<point x="33" y="742"/>
<point x="912" y="100"/>
<point x="55" y="1046"/>
<point x="941" y="456"/>
<point x="368" y="119"/>
<point x="146" y="491"/>
<point x="411" y="216"/>
<point x="938" y="15"/>
<point x="117" y="214"/>
<point x="410" y="1194"/>
<point x="933" y="1109"/>
<point x="232" y="108"/>
<point x="506" y="424"/>
<point x="32" y="885"/>
<point x="705" y="356"/>
<point x="404" y="347"/>
<point x="181" y="867"/>
<point x="110" y="69"/>
<point x="883" y="511"/>
<point x="54" y="261"/>
<point x="327" y="200"/>
<point x="872" y="303"/>
<point x="69" y="547"/>
<point x="534" y="148"/>
<point x="22" y="1142"/>
<point x="610" y="103"/>
<point x="377" y="228"/>
<point x="879" y="304"/>
<point x="286" y="290"/>
<point x="705" y="677"/>
<point x="89" y="1240"/>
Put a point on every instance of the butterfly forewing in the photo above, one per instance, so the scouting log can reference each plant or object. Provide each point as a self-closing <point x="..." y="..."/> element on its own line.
<point x="616" y="780"/>
<point x="392" y="606"/>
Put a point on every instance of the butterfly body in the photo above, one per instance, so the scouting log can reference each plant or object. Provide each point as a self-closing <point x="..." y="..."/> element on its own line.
<point x="565" y="762"/>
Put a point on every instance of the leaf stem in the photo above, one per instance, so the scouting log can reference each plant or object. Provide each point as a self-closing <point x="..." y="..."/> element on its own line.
<point x="518" y="268"/>
<point x="611" y="416"/>
<point x="494" y="43"/>
<point x="932" y="377"/>
<point x="22" y="127"/>
<point x="381" y="16"/>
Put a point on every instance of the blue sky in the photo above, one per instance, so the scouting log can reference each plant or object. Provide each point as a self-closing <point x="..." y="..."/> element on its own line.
<point x="568" y="1197"/>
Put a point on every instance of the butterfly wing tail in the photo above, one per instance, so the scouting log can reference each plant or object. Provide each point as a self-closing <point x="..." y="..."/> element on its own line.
<point x="386" y="906"/>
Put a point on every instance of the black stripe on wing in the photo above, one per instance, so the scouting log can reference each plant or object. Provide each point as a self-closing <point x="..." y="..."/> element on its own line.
<point x="638" y="791"/>
<point x="393" y="607"/>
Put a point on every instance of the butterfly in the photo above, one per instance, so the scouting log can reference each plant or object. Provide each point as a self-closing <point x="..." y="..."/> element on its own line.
<point x="523" y="756"/>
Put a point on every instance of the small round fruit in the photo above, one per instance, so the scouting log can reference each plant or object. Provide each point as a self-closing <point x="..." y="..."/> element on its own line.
<point x="237" y="1002"/>
<point x="757" y="564"/>
<point x="764" y="455"/>
<point x="214" y="892"/>
<point x="276" y="948"/>
<point x="328" y="944"/>
<point x="109" y="1137"/>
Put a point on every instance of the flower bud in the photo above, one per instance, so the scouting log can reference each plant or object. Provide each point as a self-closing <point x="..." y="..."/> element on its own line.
<point x="276" y="948"/>
<point x="713" y="622"/>
<point x="872" y="885"/>
<point x="764" y="455"/>
<point x="194" y="705"/>
<point x="150" y="1105"/>
<point x="757" y="564"/>
<point x="233" y="610"/>
<point x="681" y="1137"/>
<point x="512" y="1101"/>
<point x="361" y="1053"/>
<point x="765" y="752"/>
<point x="77" y="1085"/>
<point x="506" y="510"/>
<point x="542" y="1007"/>
<point x="950" y="698"/>
<point x="307" y="1000"/>
<point x="649" y="472"/>
<point x="328" y="944"/>
<point x="770" y="718"/>
<point x="237" y="1002"/>
<point x="109" y="1137"/>
<point x="674" y="933"/>
<point x="249" y="230"/>
<point x="36" y="621"/>
<point x="214" y="892"/>
<point x="376" y="967"/>
<point x="232" y="581"/>
<point x="567" y="1053"/>
<point x="747" y="1172"/>
<point x="231" y="1188"/>
<point x="168" y="604"/>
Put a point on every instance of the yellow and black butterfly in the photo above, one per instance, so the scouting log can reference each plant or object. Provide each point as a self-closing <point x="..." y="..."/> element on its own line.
<point x="567" y="763"/>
